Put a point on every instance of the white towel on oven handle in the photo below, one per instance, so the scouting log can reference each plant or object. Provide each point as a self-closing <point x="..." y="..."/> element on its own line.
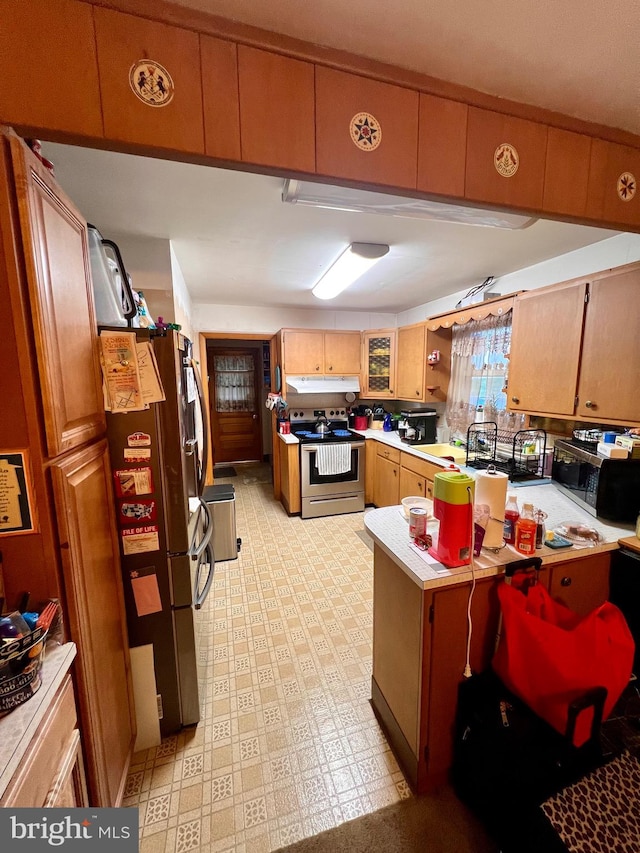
<point x="333" y="459"/>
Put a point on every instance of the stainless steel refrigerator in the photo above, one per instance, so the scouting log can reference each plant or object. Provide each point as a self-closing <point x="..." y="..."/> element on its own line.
<point x="159" y="460"/>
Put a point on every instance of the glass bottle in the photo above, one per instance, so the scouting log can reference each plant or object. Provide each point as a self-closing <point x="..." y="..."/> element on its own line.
<point x="526" y="531"/>
<point x="511" y="515"/>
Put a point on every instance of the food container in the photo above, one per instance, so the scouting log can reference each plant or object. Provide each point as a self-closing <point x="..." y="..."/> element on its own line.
<point x="20" y="666"/>
<point x="361" y="422"/>
<point x="630" y="443"/>
<point x="415" y="501"/>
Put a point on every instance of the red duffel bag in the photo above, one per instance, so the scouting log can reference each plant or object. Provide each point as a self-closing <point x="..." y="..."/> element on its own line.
<point x="549" y="656"/>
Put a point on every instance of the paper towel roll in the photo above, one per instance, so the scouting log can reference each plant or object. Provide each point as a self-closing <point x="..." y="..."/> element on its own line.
<point x="491" y="489"/>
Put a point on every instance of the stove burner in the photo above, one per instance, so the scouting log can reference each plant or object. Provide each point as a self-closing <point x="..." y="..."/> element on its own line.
<point x="341" y="433"/>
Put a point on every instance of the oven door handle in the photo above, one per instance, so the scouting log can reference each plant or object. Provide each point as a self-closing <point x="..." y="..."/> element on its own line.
<point x="310" y="448"/>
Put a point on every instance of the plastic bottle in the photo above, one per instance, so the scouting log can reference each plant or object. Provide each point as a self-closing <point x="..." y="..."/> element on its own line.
<point x="511" y="515"/>
<point x="526" y="531"/>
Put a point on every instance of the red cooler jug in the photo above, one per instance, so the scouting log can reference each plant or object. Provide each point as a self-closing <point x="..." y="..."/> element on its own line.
<point x="453" y="494"/>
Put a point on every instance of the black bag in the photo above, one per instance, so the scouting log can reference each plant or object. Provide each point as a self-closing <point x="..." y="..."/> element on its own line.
<point x="507" y="761"/>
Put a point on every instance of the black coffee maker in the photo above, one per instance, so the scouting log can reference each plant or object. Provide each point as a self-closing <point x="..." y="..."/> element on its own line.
<point x="420" y="426"/>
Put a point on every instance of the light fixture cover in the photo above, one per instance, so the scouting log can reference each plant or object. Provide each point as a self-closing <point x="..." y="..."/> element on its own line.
<point x="363" y="201"/>
<point x="348" y="267"/>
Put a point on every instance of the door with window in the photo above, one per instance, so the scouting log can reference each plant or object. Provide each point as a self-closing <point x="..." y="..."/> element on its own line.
<point x="234" y="392"/>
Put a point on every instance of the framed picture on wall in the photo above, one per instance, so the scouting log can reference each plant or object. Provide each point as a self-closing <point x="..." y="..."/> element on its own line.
<point x="17" y="508"/>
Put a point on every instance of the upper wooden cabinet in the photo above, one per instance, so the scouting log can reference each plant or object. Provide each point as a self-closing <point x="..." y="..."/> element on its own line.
<point x="379" y="363"/>
<point x="505" y="159"/>
<point x="220" y="98"/>
<point x="58" y="273"/>
<point x="48" y="66"/>
<point x="608" y="386"/>
<point x="613" y="183"/>
<point x="150" y="82"/>
<point x="410" y="371"/>
<point x="574" y="350"/>
<point x="276" y="110"/>
<point x="545" y="349"/>
<point x="307" y="353"/>
<point x="365" y="130"/>
<point x="566" y="173"/>
<point x="442" y="146"/>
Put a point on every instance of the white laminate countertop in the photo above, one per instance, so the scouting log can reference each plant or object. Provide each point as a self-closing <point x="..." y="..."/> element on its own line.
<point x="19" y="726"/>
<point x="390" y="530"/>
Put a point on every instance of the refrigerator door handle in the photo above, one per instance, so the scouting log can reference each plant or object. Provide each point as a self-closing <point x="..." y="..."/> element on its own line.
<point x="199" y="598"/>
<point x="202" y="473"/>
<point x="196" y="549"/>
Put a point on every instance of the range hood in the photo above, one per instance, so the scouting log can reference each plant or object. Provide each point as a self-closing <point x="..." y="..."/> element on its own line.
<point x="323" y="384"/>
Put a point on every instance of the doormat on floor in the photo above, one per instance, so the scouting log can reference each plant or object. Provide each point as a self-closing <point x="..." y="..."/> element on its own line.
<point x="224" y="471"/>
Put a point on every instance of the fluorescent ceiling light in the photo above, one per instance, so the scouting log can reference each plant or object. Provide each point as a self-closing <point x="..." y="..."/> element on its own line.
<point x="363" y="201"/>
<point x="348" y="267"/>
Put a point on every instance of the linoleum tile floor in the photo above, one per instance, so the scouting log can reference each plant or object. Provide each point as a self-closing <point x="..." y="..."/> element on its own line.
<point x="288" y="744"/>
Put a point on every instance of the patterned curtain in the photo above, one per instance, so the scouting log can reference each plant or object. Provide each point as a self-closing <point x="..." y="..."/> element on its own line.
<point x="479" y="365"/>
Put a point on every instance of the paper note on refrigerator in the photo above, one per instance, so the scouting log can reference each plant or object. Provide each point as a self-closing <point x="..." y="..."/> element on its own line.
<point x="152" y="390"/>
<point x="120" y="372"/>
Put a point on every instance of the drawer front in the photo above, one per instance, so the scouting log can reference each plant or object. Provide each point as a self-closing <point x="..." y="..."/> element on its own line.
<point x="420" y="466"/>
<point x="40" y="765"/>
<point x="391" y="453"/>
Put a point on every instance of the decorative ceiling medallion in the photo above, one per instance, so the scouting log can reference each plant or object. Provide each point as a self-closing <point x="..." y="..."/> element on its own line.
<point x="366" y="132"/>
<point x="506" y="160"/>
<point x="151" y="82"/>
<point x="627" y="186"/>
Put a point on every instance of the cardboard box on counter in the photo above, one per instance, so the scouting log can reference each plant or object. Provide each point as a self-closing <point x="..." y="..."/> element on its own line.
<point x="632" y="443"/>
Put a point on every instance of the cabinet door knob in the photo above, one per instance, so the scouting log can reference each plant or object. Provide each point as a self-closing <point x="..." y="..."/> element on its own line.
<point x="417" y="393"/>
<point x="565" y="582"/>
<point x="391" y="390"/>
<point x="330" y="367"/>
<point x="515" y="399"/>
<point x="590" y="404"/>
<point x="317" y="367"/>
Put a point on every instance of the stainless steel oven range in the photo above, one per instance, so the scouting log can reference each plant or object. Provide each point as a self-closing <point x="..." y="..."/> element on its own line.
<point x="331" y="462"/>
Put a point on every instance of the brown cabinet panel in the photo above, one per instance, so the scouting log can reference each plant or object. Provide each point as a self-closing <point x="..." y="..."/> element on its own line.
<point x="379" y="363"/>
<point x="342" y="353"/>
<point x="303" y="353"/>
<point x="48" y="67"/>
<point x="57" y="260"/>
<point x="442" y="146"/>
<point x="123" y="42"/>
<point x="387" y="482"/>
<point x="566" y="173"/>
<point x="412" y="484"/>
<point x="220" y="94"/>
<point x="276" y="110"/>
<point x="608" y="386"/>
<point x="487" y="132"/>
<point x="581" y="584"/>
<point x="340" y="97"/>
<point x="613" y="183"/>
<point x="411" y="362"/>
<point x="545" y="349"/>
<point x="95" y="610"/>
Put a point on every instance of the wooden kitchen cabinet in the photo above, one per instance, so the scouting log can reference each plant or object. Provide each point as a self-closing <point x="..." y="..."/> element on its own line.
<point x="220" y="98"/>
<point x="566" y="174"/>
<point x="417" y="473"/>
<point x="572" y="348"/>
<point x="411" y="362"/>
<point x="545" y="349"/>
<point x="307" y="353"/>
<point x="276" y="110"/>
<point x="520" y="181"/>
<point x="370" y="471"/>
<point x="51" y="773"/>
<point x="290" y="477"/>
<point x="581" y="584"/>
<point x="608" y="384"/>
<point x="442" y="145"/>
<point x="366" y="130"/>
<point x="613" y="183"/>
<point x="162" y="51"/>
<point x="379" y="363"/>
<point x="49" y="67"/>
<point x="387" y="478"/>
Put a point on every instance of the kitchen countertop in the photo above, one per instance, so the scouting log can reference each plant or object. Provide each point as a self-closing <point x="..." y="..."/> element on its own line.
<point x="19" y="726"/>
<point x="389" y="529"/>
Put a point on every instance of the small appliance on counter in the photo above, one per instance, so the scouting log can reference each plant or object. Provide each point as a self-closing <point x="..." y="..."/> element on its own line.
<point x="453" y="496"/>
<point x="418" y="426"/>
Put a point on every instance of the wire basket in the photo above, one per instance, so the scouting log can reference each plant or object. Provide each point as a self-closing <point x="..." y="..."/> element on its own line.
<point x="521" y="455"/>
<point x="20" y="666"/>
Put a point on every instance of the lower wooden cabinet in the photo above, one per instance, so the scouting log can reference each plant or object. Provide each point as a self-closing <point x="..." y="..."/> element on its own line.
<point x="290" y="477"/>
<point x="51" y="773"/>
<point x="419" y="652"/>
<point x="386" y="486"/>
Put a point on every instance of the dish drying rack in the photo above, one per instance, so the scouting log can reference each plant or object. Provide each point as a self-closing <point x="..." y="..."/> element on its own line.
<point x="521" y="455"/>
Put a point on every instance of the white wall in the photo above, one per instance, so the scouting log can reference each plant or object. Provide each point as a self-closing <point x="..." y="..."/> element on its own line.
<point x="260" y="320"/>
<point x="148" y="262"/>
<point x="182" y="307"/>
<point x="614" y="252"/>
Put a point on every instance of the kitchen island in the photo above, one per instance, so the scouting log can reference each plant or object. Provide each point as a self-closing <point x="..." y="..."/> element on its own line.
<point x="420" y="623"/>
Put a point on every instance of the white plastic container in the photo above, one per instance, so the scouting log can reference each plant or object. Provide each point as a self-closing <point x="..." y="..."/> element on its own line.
<point x="112" y="295"/>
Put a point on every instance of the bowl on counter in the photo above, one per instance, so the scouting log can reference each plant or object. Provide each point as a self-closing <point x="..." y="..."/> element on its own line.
<point x="414" y="501"/>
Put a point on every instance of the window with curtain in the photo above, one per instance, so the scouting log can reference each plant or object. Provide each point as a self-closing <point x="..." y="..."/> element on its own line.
<point x="479" y="365"/>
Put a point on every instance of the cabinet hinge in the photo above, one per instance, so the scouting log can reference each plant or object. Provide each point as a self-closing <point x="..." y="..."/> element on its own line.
<point x="426" y="755"/>
<point x="576" y="401"/>
<point x="431" y="613"/>
<point x="160" y="708"/>
<point x="586" y="294"/>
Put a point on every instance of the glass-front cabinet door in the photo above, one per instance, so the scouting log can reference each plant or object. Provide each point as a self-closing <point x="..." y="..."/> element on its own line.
<point x="379" y="363"/>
